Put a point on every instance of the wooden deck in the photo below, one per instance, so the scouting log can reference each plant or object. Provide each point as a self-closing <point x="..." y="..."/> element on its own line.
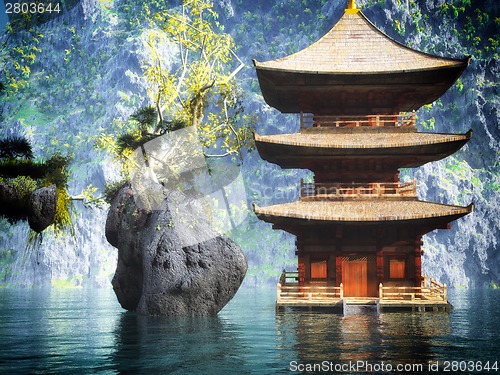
<point x="431" y="296"/>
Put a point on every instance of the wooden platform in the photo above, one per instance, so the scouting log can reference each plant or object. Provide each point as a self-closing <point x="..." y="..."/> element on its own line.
<point x="338" y="305"/>
<point x="430" y="296"/>
<point x="415" y="305"/>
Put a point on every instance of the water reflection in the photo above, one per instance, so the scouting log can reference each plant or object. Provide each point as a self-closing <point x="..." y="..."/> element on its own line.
<point x="47" y="331"/>
<point x="175" y="345"/>
<point x="391" y="337"/>
<point x="475" y="321"/>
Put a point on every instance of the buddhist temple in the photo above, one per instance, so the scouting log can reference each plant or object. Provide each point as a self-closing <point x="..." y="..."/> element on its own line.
<point x="358" y="227"/>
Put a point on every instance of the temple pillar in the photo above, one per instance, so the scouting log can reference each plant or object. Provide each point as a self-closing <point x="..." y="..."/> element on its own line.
<point x="332" y="279"/>
<point x="338" y="269"/>
<point x="380" y="235"/>
<point x="300" y="266"/>
<point x="396" y="176"/>
<point x="306" y="268"/>
<point x="418" y="261"/>
<point x="380" y="265"/>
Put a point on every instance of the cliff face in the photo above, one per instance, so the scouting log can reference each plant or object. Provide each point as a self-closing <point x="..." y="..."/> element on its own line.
<point x="86" y="78"/>
<point x="82" y="75"/>
<point x="468" y="253"/>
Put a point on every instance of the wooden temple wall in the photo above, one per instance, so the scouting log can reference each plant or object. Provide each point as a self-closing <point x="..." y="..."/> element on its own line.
<point x="342" y="260"/>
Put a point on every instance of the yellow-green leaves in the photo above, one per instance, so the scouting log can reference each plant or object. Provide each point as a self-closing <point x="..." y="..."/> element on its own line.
<point x="202" y="78"/>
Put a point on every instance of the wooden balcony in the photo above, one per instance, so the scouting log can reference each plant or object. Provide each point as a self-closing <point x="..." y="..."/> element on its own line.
<point x="339" y="191"/>
<point x="290" y="293"/>
<point x="309" y="120"/>
<point x="430" y="296"/>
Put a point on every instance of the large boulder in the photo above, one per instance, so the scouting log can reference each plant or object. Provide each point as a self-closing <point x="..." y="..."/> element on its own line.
<point x="9" y="201"/>
<point x="157" y="275"/>
<point x="42" y="208"/>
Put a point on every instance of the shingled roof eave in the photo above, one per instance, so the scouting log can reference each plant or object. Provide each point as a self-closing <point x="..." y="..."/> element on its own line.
<point x="463" y="64"/>
<point x="270" y="212"/>
<point x="289" y="140"/>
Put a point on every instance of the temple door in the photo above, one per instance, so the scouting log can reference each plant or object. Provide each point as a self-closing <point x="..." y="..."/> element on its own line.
<point x="355" y="277"/>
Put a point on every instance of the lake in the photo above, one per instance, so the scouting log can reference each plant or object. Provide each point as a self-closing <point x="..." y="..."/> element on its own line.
<point x="81" y="331"/>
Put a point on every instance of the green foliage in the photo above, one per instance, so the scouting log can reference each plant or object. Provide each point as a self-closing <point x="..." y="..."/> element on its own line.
<point x="146" y="117"/>
<point x="204" y="80"/>
<point x="200" y="91"/>
<point x="111" y="189"/>
<point x="62" y="218"/>
<point x="52" y="171"/>
<point x="24" y="186"/>
<point x="24" y="167"/>
<point x="171" y="125"/>
<point x="15" y="147"/>
<point x="429" y="124"/>
<point x="68" y="283"/>
<point x="21" y="56"/>
<point x="18" y="209"/>
<point x="136" y="13"/>
<point x="471" y="24"/>
<point x="18" y="170"/>
<point x="145" y="127"/>
<point x="57" y="171"/>
<point x="90" y="200"/>
<point x="399" y="27"/>
<point x="128" y="142"/>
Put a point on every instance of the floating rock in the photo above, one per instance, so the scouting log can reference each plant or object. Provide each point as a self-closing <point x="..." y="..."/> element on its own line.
<point x="43" y="204"/>
<point x="156" y="275"/>
<point x="9" y="200"/>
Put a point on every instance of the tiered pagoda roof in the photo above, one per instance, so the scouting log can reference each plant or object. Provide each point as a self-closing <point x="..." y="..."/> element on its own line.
<point x="361" y="212"/>
<point x="349" y="66"/>
<point x="336" y="83"/>
<point x="291" y="150"/>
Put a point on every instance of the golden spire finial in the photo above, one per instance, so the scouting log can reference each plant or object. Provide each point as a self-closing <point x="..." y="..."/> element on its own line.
<point x="351" y="7"/>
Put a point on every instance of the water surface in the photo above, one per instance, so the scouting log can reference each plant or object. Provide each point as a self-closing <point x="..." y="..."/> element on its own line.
<point x="86" y="331"/>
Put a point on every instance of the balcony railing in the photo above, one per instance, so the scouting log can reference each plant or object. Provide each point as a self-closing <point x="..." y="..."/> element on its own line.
<point x="431" y="295"/>
<point x="368" y="190"/>
<point x="430" y="290"/>
<point x="308" y="120"/>
<point x="289" y="290"/>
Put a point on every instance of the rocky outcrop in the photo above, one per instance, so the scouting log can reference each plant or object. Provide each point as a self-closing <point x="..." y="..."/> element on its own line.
<point x="8" y="200"/>
<point x="42" y="208"/>
<point x="156" y="275"/>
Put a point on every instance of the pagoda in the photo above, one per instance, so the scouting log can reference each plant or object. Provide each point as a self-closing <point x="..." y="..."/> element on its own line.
<point x="359" y="227"/>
